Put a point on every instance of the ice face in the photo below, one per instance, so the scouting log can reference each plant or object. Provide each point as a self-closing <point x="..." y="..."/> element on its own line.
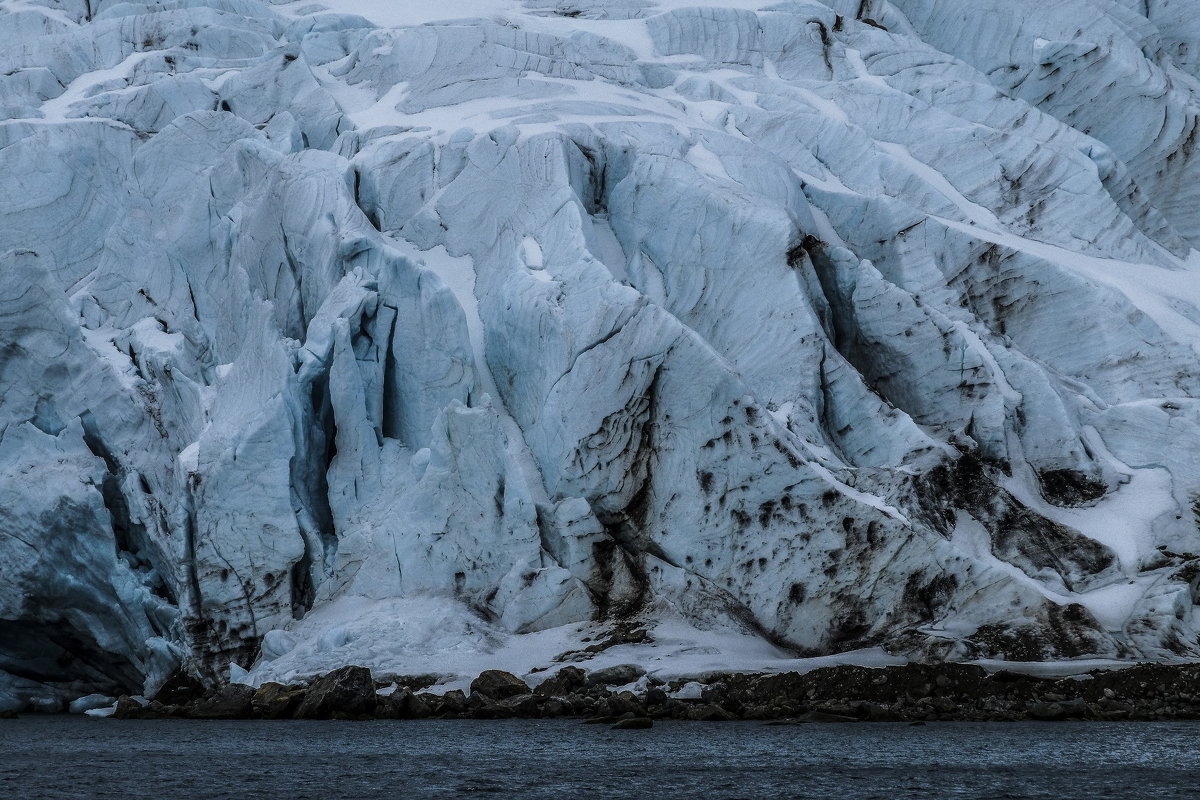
<point x="835" y="325"/>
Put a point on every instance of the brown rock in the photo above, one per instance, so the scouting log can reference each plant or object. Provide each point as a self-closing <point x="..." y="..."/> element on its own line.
<point x="127" y="708"/>
<point x="824" y="717"/>
<point x="415" y="708"/>
<point x="709" y="713"/>
<point x="450" y="704"/>
<point x="498" y="685"/>
<point x="528" y="706"/>
<point x="234" y="701"/>
<point x="482" y="706"/>
<point x="618" y="675"/>
<point x="1047" y="711"/>
<point x="345" y="693"/>
<point x="562" y="683"/>
<point x="276" y="701"/>
<point x="626" y="702"/>
<point x="180" y="689"/>
<point x="156" y="710"/>
<point x="414" y="682"/>
<point x="402" y="704"/>
<point x="634" y="724"/>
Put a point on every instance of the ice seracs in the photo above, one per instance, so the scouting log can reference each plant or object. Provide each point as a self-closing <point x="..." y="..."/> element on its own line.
<point x="351" y="334"/>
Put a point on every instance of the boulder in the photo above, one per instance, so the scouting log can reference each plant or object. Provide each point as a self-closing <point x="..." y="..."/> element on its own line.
<point x="482" y="706"/>
<point x="276" y="701"/>
<point x="634" y="724"/>
<point x="402" y="704"/>
<point x="157" y="710"/>
<point x="824" y="717"/>
<point x="345" y="693"/>
<point x="562" y="683"/>
<point x="450" y="704"/>
<point x="179" y="689"/>
<point x="413" y="682"/>
<point x="498" y="685"/>
<point x="233" y="701"/>
<point x="390" y="706"/>
<point x="626" y="703"/>
<point x="709" y="713"/>
<point x="656" y="696"/>
<point x="874" y="712"/>
<point x="1058" y="710"/>
<point x="618" y="675"/>
<point x="1047" y="712"/>
<point x="581" y="705"/>
<point x="127" y="708"/>
<point x="416" y="708"/>
<point x="528" y="706"/>
<point x="812" y="717"/>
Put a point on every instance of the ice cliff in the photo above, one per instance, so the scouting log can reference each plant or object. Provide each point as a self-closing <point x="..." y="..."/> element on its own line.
<point x="356" y="334"/>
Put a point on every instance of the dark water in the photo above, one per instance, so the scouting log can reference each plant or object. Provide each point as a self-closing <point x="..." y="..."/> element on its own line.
<point x="72" y="757"/>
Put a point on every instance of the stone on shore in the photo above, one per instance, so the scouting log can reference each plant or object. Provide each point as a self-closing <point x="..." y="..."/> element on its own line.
<point x="562" y="683"/>
<point x="498" y="685"/>
<point x="180" y="689"/>
<point x="448" y="705"/>
<point x="276" y="701"/>
<point x="127" y="708"/>
<point x="346" y="693"/>
<point x="618" y="675"/>
<point x="905" y="693"/>
<point x="233" y="701"/>
<point x="824" y="717"/>
<point x="402" y="704"/>
<point x="633" y="724"/>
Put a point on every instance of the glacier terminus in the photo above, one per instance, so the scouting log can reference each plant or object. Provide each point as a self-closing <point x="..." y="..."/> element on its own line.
<point x="437" y="337"/>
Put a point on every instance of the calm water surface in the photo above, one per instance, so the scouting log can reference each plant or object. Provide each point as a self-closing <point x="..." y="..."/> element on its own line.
<point x="72" y="757"/>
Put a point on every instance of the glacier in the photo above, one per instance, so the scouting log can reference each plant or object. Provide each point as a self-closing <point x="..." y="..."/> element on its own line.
<point x="437" y="337"/>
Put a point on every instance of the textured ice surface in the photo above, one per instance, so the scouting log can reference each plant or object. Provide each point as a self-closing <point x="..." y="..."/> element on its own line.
<point x="441" y="337"/>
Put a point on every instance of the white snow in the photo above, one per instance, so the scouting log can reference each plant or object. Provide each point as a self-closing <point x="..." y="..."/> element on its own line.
<point x="972" y="211"/>
<point x="57" y="108"/>
<point x="692" y="690"/>
<point x="427" y="635"/>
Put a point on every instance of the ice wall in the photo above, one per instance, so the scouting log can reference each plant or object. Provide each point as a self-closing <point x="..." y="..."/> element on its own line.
<point x="842" y="325"/>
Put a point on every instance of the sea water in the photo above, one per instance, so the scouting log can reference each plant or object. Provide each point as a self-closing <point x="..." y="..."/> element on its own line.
<point x="74" y="757"/>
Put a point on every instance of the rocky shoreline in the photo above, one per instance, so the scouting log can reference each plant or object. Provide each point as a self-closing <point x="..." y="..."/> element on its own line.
<point x="626" y="697"/>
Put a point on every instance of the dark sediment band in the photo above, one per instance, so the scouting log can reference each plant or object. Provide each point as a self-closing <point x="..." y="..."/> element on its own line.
<point x="910" y="693"/>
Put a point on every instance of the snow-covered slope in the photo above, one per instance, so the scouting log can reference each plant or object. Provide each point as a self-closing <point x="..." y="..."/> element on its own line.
<point x="408" y="334"/>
